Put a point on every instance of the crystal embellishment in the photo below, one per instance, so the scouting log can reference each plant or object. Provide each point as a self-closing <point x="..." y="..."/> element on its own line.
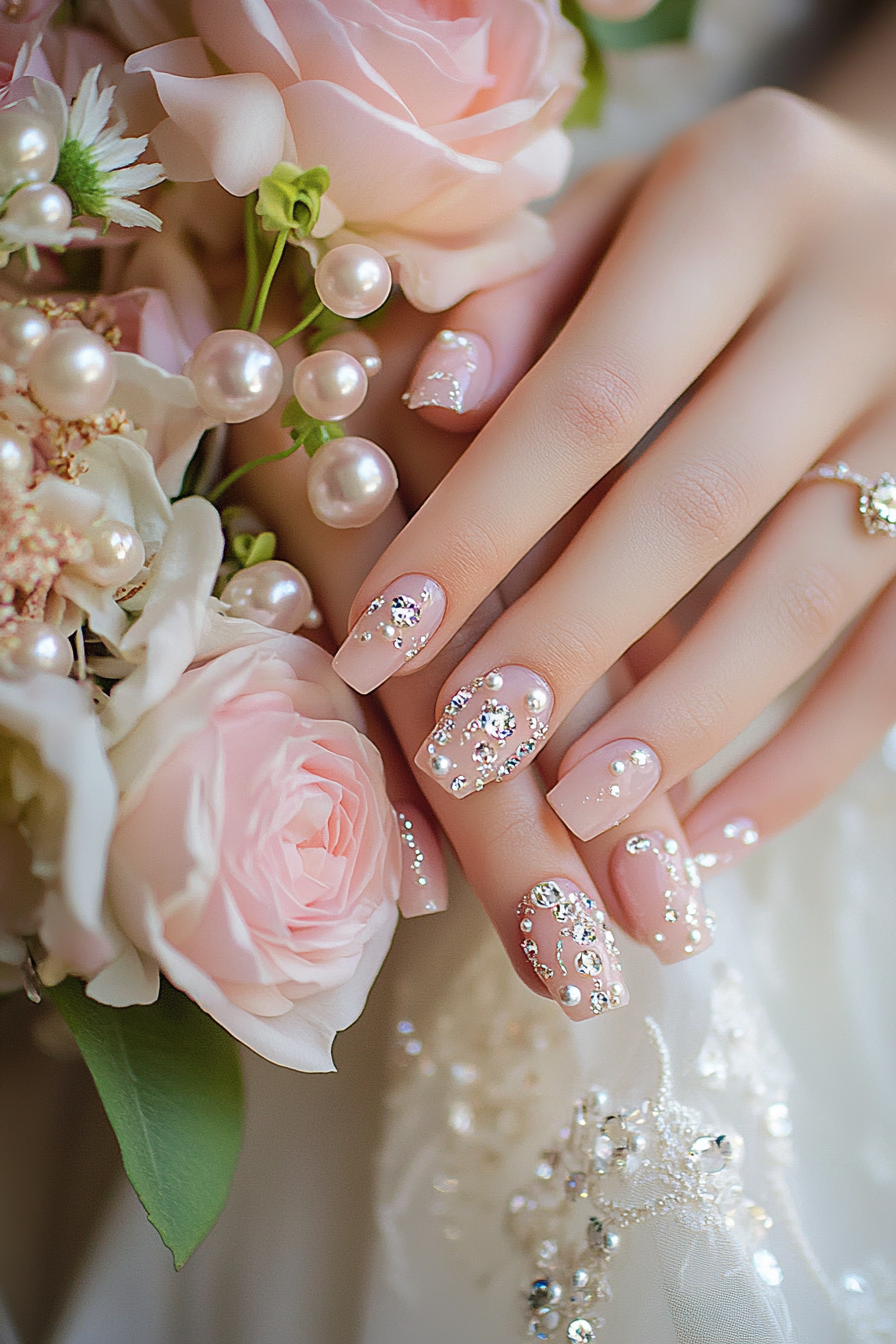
<point x="497" y="720"/>
<point x="546" y="894"/>
<point x="877" y="506"/>
<point x="405" y="611"/>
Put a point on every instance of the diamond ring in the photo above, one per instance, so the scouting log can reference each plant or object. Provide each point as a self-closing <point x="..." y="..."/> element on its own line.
<point x="877" y="500"/>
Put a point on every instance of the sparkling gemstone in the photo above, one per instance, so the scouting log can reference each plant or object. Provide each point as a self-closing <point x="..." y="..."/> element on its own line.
<point x="543" y="1327"/>
<point x="612" y="1242"/>
<point x="584" y="932"/>
<point x="484" y="753"/>
<point x="375" y="605"/>
<point x="615" y="1129"/>
<point x="879" y="506"/>
<point x="670" y="846"/>
<point x="457" y="701"/>
<point x="599" y="1001"/>
<point x="570" y="996"/>
<point x="544" y="1294"/>
<point x="580" y="1331"/>
<point x="638" y="844"/>
<point x="670" y="916"/>
<point x="458" y="783"/>
<point x="711" y="1153"/>
<point x="778" y="1121"/>
<point x="595" y="1234"/>
<point x="604" y="1153"/>
<point x="588" y="963"/>
<point x="546" y="894"/>
<point x="530" y="949"/>
<point x="545" y="1169"/>
<point x="638" y="756"/>
<point x="577" y="1184"/>
<point x="404" y="610"/>
<point x="526" y="925"/>
<point x="498" y="720"/>
<point x="768" y="1269"/>
<point x="564" y="909"/>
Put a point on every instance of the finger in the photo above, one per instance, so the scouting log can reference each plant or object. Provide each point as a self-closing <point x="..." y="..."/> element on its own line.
<point x="813" y="569"/>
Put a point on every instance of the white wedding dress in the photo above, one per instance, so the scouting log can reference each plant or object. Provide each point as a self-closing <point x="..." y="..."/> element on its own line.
<point x="447" y="1166"/>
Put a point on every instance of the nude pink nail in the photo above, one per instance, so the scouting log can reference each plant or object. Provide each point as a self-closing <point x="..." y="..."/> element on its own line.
<point x="566" y="938"/>
<point x="605" y="787"/>
<point x="487" y="730"/>
<point x="424" y="882"/>
<point x="454" y="372"/>
<point x="720" y="846"/>
<point x="394" y="629"/>
<point x="658" y="884"/>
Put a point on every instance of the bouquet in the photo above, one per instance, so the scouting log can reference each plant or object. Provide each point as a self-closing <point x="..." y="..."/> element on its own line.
<point x="197" y="845"/>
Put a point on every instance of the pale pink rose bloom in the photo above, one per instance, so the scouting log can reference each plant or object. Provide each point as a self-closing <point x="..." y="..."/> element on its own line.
<point x="256" y="861"/>
<point x="437" y="122"/>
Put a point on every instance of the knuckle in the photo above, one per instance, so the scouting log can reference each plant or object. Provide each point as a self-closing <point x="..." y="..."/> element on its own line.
<point x="595" y="405"/>
<point x="698" y="719"/>
<point x="708" y="504"/>
<point x="788" y="128"/>
<point x="809" y="606"/>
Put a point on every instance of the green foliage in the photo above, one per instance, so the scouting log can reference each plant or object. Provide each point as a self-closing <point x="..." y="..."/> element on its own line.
<point x="311" y="434"/>
<point x="669" y="21"/>
<point x="252" y="550"/>
<point x="587" y="108"/>
<point x="169" y="1078"/>
<point x="80" y="178"/>
<point x="289" y="200"/>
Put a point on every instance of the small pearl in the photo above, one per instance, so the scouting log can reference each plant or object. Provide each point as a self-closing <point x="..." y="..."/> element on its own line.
<point x="22" y="330"/>
<point x="361" y="346"/>
<point x="570" y="996"/>
<point x="237" y="376"/>
<point x="617" y="767"/>
<point x="329" y="385"/>
<point x="40" y="206"/>
<point x="35" y="646"/>
<point x="536" y="700"/>
<point x="118" y="554"/>
<point x="353" y="280"/>
<point x="272" y="593"/>
<point x="314" y="620"/>
<point x="389" y="632"/>
<point x="494" y="681"/>
<point x="72" y="372"/>
<point x="28" y="149"/>
<point x="16" y="457"/>
<point x="350" y="482"/>
<point x="440" y="765"/>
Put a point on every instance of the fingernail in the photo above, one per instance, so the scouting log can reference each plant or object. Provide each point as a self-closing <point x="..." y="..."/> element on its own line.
<point x="659" y="886"/>
<point x="721" y="846"/>
<point x="487" y="729"/>
<point x="567" y="940"/>
<point x="605" y="787"/>
<point x="392" y="631"/>
<point x="424" y="882"/>
<point x="454" y="372"/>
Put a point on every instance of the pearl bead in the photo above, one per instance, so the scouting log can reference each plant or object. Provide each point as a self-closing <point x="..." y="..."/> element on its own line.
<point x="350" y="482"/>
<point x="440" y="765"/>
<point x="72" y="372"/>
<point x="16" y="457"/>
<point x="314" y="620"/>
<point x="118" y="554"/>
<point x="237" y="376"/>
<point x="22" y="330"/>
<point x="28" y="149"/>
<point x="361" y="346"/>
<point x="34" y="646"/>
<point x="494" y="681"/>
<point x="353" y="280"/>
<point x="329" y="385"/>
<point x="271" y="593"/>
<point x="536" y="700"/>
<point x="40" y="206"/>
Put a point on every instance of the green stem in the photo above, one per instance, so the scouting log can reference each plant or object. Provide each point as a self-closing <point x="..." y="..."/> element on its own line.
<point x="305" y="322"/>
<point x="268" y="280"/>
<point x="239" y="472"/>
<point x="253" y="268"/>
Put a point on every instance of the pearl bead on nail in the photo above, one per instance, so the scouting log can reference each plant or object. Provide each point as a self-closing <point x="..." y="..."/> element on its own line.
<point x="35" y="646"/>
<point x="272" y="593"/>
<point x="16" y="457"/>
<point x="237" y="376"/>
<point x="494" y="681"/>
<point x="72" y="372"/>
<point x="353" y="280"/>
<point x="28" y="149"/>
<point x="22" y="330"/>
<point x="357" y="343"/>
<point x="350" y="482"/>
<point x="440" y="766"/>
<point x="117" y="556"/>
<point x="40" y="206"/>
<point x="536" y="700"/>
<point x="329" y="385"/>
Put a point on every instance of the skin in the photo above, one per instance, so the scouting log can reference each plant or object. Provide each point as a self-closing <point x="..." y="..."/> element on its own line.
<point x="753" y="263"/>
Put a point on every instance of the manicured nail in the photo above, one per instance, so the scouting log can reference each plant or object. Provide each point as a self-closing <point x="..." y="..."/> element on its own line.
<point x="392" y="631"/>
<point x="566" y="938"/>
<point x="721" y="846"/>
<point x="424" y="883"/>
<point x="659" y="886"/>
<point x="487" y="729"/>
<point x="605" y="787"/>
<point x="454" y="372"/>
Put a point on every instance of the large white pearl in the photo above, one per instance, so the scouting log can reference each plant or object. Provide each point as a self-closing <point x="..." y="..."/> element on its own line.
<point x="350" y="482"/>
<point x="16" y="457"/>
<point x="272" y="593"/>
<point x="72" y="372"/>
<point x="358" y="344"/>
<point x="40" y="206"/>
<point x="118" y="554"/>
<point x="329" y="385"/>
<point x="22" y="330"/>
<point x="28" y="149"/>
<point x="35" y="646"/>
<point x="353" y="280"/>
<point x="237" y="376"/>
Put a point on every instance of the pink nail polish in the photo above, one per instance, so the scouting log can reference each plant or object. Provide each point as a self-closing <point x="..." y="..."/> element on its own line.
<point x="392" y="631"/>
<point x="605" y="787"/>
<point x="487" y="729"/>
<point x="566" y="938"/>
<point x="721" y="846"/>
<point x="454" y="372"/>
<point x="659" y="886"/>
<point x="424" y="883"/>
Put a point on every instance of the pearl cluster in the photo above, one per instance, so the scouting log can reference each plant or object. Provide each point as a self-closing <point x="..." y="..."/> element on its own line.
<point x="29" y="156"/>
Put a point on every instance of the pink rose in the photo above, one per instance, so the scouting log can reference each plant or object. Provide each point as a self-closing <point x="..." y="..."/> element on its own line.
<point x="437" y="122"/>
<point x="256" y="860"/>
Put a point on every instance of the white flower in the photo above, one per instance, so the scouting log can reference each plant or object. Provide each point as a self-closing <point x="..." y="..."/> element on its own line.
<point x="96" y="160"/>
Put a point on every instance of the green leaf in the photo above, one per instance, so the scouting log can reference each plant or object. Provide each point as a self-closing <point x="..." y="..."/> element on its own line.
<point x="289" y="200"/>
<point x="311" y="434"/>
<point x="669" y="21"/>
<point x="321" y="432"/>
<point x="252" y="550"/>
<point x="587" y="108"/>
<point x="169" y="1078"/>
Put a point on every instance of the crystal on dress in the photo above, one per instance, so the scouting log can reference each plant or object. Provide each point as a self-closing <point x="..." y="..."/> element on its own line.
<point x="580" y="1331"/>
<point x="768" y="1269"/>
<point x="544" y="1294"/>
<point x="711" y="1153"/>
